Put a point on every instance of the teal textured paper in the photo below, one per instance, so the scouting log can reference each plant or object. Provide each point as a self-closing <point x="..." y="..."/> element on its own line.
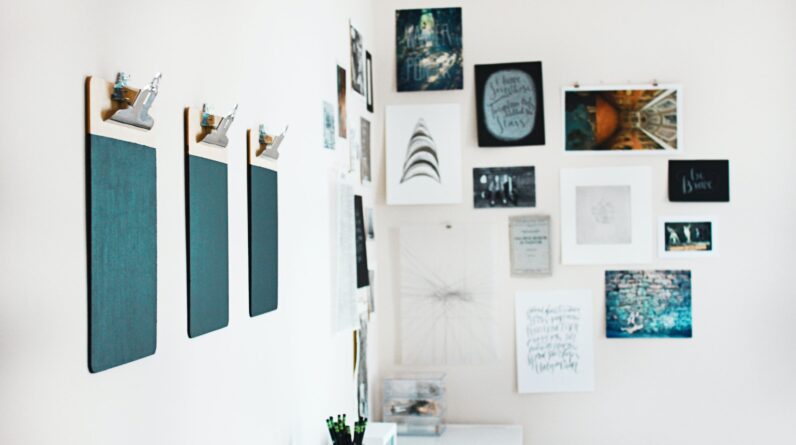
<point x="122" y="252"/>
<point x="208" y="246"/>
<point x="263" y="241"/>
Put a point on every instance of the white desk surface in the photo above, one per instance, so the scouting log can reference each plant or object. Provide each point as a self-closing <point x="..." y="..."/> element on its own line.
<point x="469" y="435"/>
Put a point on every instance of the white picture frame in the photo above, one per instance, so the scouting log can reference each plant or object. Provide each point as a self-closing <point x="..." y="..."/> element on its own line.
<point x="606" y="215"/>
<point x="684" y="238"/>
<point x="677" y="88"/>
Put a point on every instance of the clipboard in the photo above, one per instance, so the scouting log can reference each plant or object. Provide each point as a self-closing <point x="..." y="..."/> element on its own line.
<point x="207" y="224"/>
<point x="121" y="213"/>
<point x="263" y="226"/>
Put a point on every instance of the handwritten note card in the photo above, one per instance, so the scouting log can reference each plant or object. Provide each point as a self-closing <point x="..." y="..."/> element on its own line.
<point x="555" y="341"/>
<point x="530" y="245"/>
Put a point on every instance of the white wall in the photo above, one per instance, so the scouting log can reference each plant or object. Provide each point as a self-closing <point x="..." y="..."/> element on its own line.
<point x="733" y="383"/>
<point x="271" y="379"/>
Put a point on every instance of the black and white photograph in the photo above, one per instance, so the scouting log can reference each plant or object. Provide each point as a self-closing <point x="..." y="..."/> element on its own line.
<point x="498" y="187"/>
<point x="357" y="62"/>
<point x="681" y="236"/>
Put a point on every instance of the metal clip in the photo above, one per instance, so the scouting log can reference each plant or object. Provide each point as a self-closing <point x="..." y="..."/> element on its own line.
<point x="269" y="144"/>
<point x="218" y="134"/>
<point x="137" y="112"/>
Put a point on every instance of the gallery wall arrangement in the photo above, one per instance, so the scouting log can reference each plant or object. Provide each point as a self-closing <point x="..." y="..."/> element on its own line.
<point x="606" y="210"/>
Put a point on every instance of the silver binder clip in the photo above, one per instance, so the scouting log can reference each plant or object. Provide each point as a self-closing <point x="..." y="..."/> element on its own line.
<point x="269" y="144"/>
<point x="218" y="133"/>
<point x="136" y="111"/>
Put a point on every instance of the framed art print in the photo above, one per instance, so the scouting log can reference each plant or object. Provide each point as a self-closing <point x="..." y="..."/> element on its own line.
<point x="687" y="236"/>
<point x="606" y="215"/>
<point x="509" y="104"/>
<point x="623" y="119"/>
<point x="699" y="181"/>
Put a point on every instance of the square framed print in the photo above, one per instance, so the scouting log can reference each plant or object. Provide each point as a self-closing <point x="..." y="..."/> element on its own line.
<point x="623" y="119"/>
<point x="606" y="215"/>
<point x="509" y="104"/>
<point x="699" y="181"/>
<point x="687" y="236"/>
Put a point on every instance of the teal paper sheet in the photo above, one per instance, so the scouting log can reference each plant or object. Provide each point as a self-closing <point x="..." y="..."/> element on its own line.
<point x="122" y="252"/>
<point x="208" y="245"/>
<point x="263" y="241"/>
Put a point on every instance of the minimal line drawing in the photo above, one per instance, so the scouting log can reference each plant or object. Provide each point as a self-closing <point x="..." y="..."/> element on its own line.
<point x="446" y="295"/>
<point x="421" y="155"/>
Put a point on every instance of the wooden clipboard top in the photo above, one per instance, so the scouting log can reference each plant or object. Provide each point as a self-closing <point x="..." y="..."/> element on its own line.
<point x="253" y="146"/>
<point x="194" y="132"/>
<point x="100" y="107"/>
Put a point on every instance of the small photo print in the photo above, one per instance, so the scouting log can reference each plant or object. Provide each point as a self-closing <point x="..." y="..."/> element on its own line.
<point x="603" y="215"/>
<point x="687" y="237"/>
<point x="497" y="187"/>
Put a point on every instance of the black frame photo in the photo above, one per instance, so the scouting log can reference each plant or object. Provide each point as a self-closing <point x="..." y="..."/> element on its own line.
<point x="510" y="104"/>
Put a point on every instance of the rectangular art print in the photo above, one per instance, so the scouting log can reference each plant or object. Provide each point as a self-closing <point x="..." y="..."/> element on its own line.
<point x="510" y="104"/>
<point x="699" y="181"/>
<point x="555" y="341"/>
<point x="341" y="107"/>
<point x="623" y="119"/>
<point x="529" y="238"/>
<point x="328" y="126"/>
<point x="424" y="154"/>
<point x="685" y="236"/>
<point x="495" y="187"/>
<point x="648" y="304"/>
<point x="357" y="62"/>
<point x="428" y="46"/>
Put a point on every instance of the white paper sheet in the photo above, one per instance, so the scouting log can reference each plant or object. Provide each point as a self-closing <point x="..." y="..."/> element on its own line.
<point x="555" y="341"/>
<point x="446" y="289"/>
<point x="346" y="301"/>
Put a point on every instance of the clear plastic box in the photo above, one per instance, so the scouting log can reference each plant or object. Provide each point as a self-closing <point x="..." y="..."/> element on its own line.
<point x="416" y="403"/>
